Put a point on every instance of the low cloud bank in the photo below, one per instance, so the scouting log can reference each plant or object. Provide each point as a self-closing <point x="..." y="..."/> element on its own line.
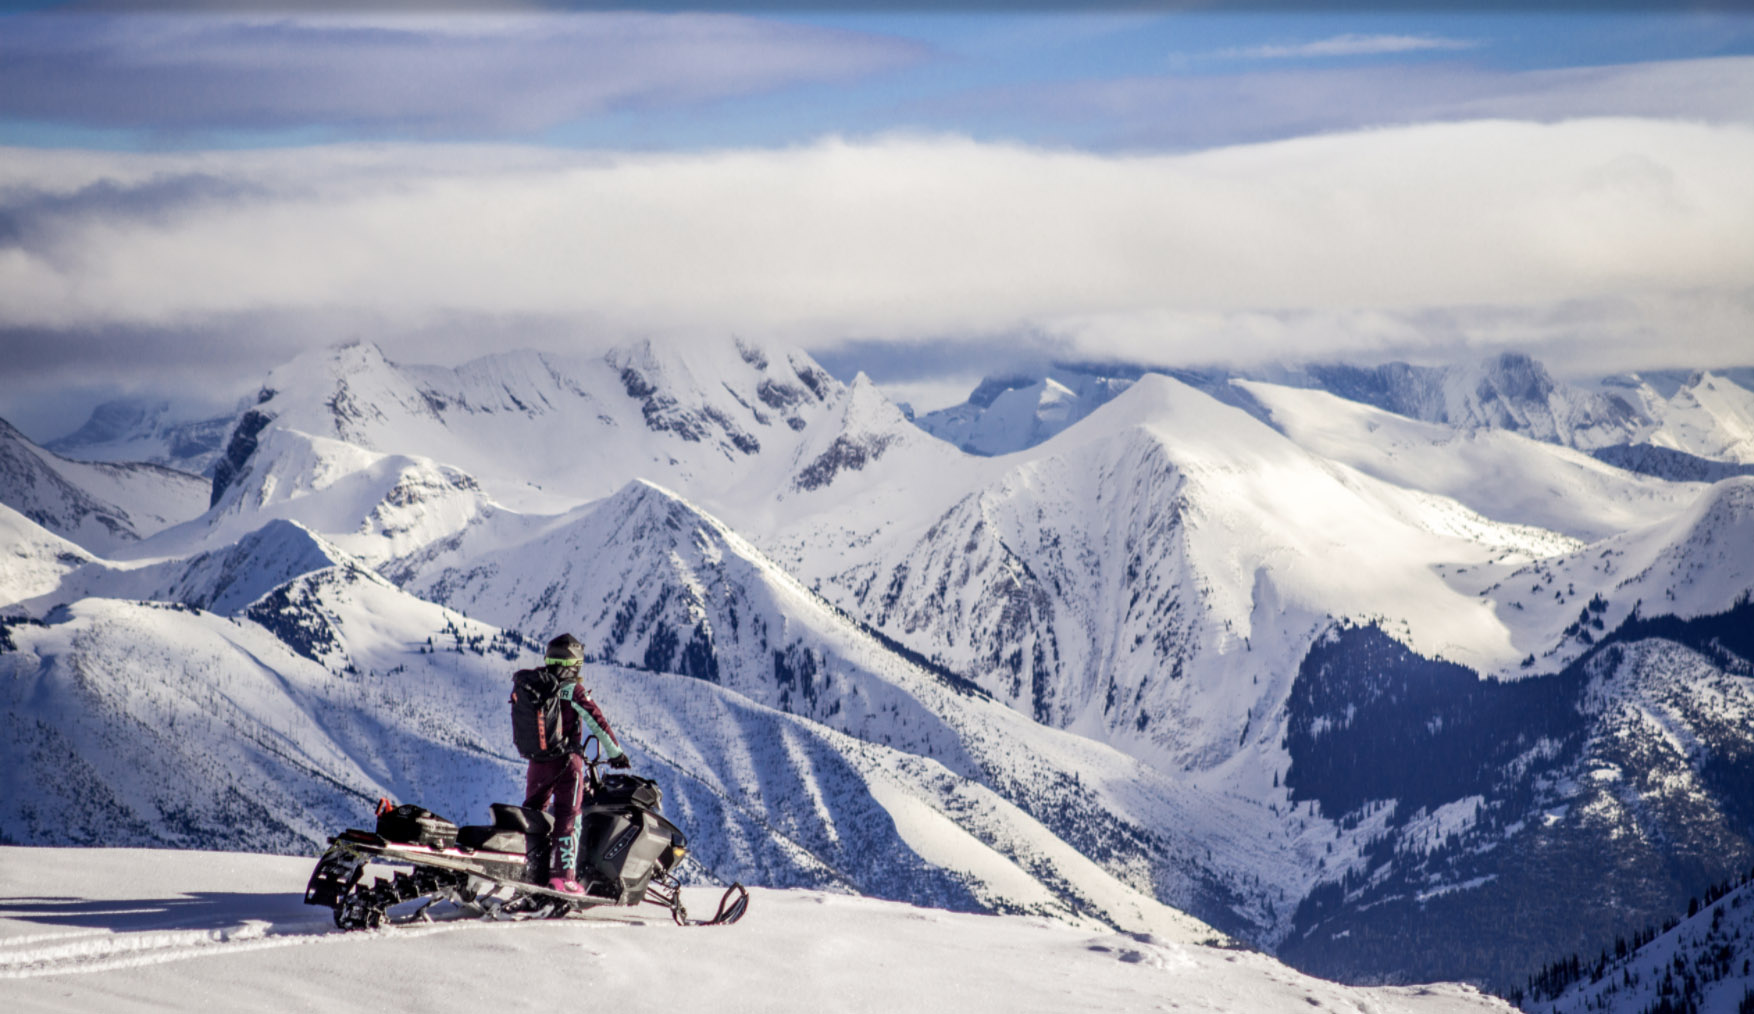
<point x="1600" y="240"/>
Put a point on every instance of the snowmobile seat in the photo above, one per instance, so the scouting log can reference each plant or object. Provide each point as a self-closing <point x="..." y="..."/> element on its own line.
<point x="507" y="817"/>
<point x="482" y="838"/>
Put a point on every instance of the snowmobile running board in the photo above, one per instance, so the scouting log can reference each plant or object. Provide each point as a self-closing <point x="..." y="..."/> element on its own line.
<point x="470" y="880"/>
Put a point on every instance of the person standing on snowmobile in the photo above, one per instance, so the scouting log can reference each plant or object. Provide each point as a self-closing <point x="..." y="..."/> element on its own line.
<point x="562" y="778"/>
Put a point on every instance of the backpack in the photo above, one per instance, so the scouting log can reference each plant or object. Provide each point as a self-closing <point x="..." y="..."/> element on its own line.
<point x="537" y="731"/>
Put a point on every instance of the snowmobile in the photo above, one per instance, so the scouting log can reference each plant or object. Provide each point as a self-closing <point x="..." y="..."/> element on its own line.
<point x="627" y="856"/>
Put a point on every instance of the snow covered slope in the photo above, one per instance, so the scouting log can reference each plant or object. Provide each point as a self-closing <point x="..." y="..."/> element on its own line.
<point x="1701" y="964"/>
<point x="1510" y="391"/>
<point x="128" y="930"/>
<point x="1162" y="658"/>
<point x="1006" y="414"/>
<point x="99" y="506"/>
<point x="1709" y="416"/>
<point x="33" y="560"/>
<point x="1152" y="577"/>
<point x="153" y="724"/>
<point x="1499" y="473"/>
<point x="1561" y="807"/>
<point x="647" y="579"/>
<point x="1696" y="563"/>
<point x="135" y="430"/>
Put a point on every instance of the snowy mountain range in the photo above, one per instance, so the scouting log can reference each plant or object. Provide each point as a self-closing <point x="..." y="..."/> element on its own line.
<point x="1352" y="670"/>
<point x="1692" y="421"/>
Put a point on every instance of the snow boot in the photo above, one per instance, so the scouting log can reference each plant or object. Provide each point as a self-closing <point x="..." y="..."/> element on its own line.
<point x="566" y="885"/>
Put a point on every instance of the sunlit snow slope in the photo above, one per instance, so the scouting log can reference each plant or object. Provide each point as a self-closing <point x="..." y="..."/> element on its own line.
<point x="137" y="930"/>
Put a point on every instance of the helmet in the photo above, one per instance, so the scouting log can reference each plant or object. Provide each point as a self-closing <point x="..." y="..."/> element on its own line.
<point x="565" y="650"/>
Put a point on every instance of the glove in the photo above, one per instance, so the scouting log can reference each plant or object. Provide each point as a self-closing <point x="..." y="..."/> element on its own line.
<point x="620" y="762"/>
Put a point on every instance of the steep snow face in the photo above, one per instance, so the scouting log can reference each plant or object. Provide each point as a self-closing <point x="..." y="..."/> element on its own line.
<point x="376" y="506"/>
<point x="33" y="560"/>
<point x="1696" y="563"/>
<point x="99" y="506"/>
<point x="649" y="579"/>
<point x="541" y="432"/>
<point x="134" y="430"/>
<point x="1152" y="577"/>
<point x="135" y="930"/>
<point x="1501" y="474"/>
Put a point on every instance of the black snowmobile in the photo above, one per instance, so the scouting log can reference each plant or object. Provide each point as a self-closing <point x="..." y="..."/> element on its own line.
<point x="628" y="855"/>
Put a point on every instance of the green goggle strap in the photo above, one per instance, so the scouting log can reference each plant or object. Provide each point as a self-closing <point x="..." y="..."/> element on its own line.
<point x="565" y="661"/>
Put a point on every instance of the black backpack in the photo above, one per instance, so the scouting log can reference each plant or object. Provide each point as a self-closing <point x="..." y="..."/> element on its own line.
<point x="537" y="731"/>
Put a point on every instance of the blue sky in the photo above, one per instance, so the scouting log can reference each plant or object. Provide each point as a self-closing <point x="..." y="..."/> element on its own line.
<point x="1103" y="80"/>
<point x="188" y="197"/>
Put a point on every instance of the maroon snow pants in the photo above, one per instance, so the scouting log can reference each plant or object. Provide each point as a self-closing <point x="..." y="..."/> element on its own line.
<point x="563" y="779"/>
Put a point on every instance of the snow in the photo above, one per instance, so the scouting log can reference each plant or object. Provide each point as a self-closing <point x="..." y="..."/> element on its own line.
<point x="1705" y="955"/>
<point x="1135" y="593"/>
<point x="1710" y="415"/>
<point x="1500" y="474"/>
<point x="137" y="930"/>
<point x="102" y="507"/>
<point x="33" y="561"/>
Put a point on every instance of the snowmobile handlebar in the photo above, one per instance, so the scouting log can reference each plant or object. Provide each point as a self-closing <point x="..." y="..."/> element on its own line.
<point x="592" y="759"/>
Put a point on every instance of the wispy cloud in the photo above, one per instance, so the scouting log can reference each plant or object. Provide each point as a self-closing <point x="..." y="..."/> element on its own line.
<point x="406" y="74"/>
<point x="1191" y="111"/>
<point x="1348" y="45"/>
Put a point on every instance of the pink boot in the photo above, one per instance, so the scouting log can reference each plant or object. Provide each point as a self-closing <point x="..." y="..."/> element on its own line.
<point x="566" y="885"/>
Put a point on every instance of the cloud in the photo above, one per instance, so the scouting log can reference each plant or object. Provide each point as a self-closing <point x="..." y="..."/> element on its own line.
<point x="1193" y="111"/>
<point x="406" y="74"/>
<point x="1625" y="237"/>
<point x="1348" y="45"/>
